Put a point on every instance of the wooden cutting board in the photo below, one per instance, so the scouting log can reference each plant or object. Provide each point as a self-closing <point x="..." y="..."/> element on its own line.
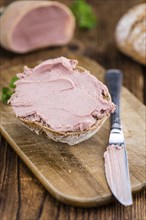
<point x="75" y="174"/>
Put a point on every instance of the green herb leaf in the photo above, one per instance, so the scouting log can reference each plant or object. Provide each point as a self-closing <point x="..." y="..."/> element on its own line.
<point x="13" y="80"/>
<point x="6" y="94"/>
<point x="8" y="91"/>
<point x="84" y="14"/>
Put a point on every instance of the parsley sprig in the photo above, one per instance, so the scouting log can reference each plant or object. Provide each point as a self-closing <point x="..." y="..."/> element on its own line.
<point x="84" y="14"/>
<point x="8" y="91"/>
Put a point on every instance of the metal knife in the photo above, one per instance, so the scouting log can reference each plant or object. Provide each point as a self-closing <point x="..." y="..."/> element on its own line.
<point x="116" y="160"/>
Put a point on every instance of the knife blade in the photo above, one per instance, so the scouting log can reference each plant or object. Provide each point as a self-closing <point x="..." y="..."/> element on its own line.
<point x="116" y="160"/>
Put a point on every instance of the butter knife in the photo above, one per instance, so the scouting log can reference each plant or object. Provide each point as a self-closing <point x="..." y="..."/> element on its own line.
<point x="116" y="160"/>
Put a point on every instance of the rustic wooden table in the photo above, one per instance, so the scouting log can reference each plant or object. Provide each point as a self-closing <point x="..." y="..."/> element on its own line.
<point x="21" y="195"/>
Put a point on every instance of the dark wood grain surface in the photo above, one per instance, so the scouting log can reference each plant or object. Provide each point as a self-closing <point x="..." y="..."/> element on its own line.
<point x="21" y="195"/>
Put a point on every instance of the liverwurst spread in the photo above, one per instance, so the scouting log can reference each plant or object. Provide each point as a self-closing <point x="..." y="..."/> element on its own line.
<point x="44" y="26"/>
<point x="60" y="96"/>
<point x="115" y="160"/>
<point x="31" y="25"/>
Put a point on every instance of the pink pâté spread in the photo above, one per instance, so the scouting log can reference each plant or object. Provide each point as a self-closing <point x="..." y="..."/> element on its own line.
<point x="115" y="161"/>
<point x="60" y="96"/>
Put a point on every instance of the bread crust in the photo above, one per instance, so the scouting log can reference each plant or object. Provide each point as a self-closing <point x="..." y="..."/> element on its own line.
<point x="70" y="138"/>
<point x="130" y="33"/>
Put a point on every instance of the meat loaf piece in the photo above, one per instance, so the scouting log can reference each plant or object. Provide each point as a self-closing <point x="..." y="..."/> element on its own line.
<point x="30" y="25"/>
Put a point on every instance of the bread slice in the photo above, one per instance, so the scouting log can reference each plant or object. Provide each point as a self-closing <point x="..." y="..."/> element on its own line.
<point x="69" y="137"/>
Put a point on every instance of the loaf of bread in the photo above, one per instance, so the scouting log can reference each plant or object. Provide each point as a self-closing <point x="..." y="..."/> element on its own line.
<point x="131" y="33"/>
<point x="61" y="100"/>
<point x="31" y="25"/>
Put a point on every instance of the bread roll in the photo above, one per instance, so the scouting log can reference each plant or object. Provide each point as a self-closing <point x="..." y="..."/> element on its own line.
<point x="61" y="100"/>
<point x="131" y="33"/>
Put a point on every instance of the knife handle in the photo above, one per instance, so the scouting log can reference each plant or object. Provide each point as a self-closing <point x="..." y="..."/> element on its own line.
<point x="113" y="79"/>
